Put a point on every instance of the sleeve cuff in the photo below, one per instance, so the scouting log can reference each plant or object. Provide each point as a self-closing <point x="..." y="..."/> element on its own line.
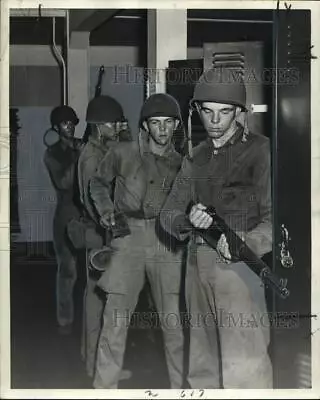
<point x="259" y="243"/>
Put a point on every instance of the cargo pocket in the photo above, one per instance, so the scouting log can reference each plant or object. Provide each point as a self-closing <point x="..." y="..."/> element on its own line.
<point x="171" y="278"/>
<point x="124" y="273"/>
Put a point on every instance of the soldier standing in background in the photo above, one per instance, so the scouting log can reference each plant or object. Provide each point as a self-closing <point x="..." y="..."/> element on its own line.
<point x="104" y="116"/>
<point x="60" y="160"/>
<point x="143" y="171"/>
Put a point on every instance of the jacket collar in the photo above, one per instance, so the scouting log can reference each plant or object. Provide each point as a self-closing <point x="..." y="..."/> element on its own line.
<point x="206" y="149"/>
<point x="96" y="143"/>
<point x="234" y="139"/>
<point x="143" y="141"/>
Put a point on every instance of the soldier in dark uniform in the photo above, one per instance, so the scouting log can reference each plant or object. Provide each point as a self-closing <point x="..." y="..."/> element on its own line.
<point x="60" y="160"/>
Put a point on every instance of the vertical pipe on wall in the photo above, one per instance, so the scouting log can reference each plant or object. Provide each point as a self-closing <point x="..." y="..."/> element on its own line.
<point x="59" y="59"/>
<point x="67" y="33"/>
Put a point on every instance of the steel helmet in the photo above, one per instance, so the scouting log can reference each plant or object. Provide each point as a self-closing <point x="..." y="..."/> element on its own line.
<point x="103" y="109"/>
<point x="221" y="85"/>
<point x="160" y="105"/>
<point x="63" y="113"/>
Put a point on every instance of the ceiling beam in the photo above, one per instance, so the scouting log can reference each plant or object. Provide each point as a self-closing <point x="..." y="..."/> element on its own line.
<point x="35" y="12"/>
<point x="88" y="20"/>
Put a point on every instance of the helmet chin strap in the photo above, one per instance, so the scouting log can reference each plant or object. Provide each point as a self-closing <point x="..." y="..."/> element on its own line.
<point x="99" y="132"/>
<point x="245" y="128"/>
<point x="190" y="148"/>
<point x="102" y="138"/>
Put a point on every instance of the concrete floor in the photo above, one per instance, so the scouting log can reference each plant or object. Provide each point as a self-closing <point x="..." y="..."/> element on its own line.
<point x="42" y="359"/>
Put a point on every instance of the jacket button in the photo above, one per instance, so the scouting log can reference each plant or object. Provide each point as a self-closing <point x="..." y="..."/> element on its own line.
<point x="152" y="181"/>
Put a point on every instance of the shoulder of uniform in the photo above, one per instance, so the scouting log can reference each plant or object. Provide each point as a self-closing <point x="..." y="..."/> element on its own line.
<point x="175" y="154"/>
<point x="197" y="150"/>
<point x="125" y="146"/>
<point x="50" y="151"/>
<point x="201" y="153"/>
<point x="259" y="140"/>
<point x="125" y="149"/>
<point x="85" y="152"/>
<point x="175" y="159"/>
<point x="85" y="147"/>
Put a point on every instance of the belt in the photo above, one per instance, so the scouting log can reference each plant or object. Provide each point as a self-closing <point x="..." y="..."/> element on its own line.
<point x="139" y="215"/>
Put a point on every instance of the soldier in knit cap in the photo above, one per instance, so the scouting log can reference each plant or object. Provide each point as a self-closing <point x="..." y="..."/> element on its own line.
<point x="229" y="332"/>
<point x="143" y="171"/>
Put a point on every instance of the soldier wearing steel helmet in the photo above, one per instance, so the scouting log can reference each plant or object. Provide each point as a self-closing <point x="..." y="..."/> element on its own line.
<point x="104" y="114"/>
<point x="60" y="160"/>
<point x="143" y="171"/>
<point x="104" y="117"/>
<point x="230" y="171"/>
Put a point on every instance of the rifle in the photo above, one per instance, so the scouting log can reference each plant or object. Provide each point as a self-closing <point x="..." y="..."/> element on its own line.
<point x="239" y="251"/>
<point x="97" y="93"/>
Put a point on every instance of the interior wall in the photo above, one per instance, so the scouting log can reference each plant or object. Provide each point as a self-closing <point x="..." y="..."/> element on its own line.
<point x="35" y="88"/>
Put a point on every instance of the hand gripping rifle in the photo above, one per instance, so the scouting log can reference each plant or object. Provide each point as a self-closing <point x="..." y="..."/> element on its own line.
<point x="238" y="248"/>
<point x="239" y="251"/>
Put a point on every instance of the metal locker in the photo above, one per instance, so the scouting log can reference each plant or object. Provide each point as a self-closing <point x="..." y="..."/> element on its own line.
<point x="291" y="150"/>
<point x="246" y="57"/>
<point x="181" y="77"/>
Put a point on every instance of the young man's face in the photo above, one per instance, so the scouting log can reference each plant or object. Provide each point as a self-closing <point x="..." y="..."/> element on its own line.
<point x="161" y="129"/>
<point x="108" y="130"/>
<point x="217" y="118"/>
<point x="67" y="129"/>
